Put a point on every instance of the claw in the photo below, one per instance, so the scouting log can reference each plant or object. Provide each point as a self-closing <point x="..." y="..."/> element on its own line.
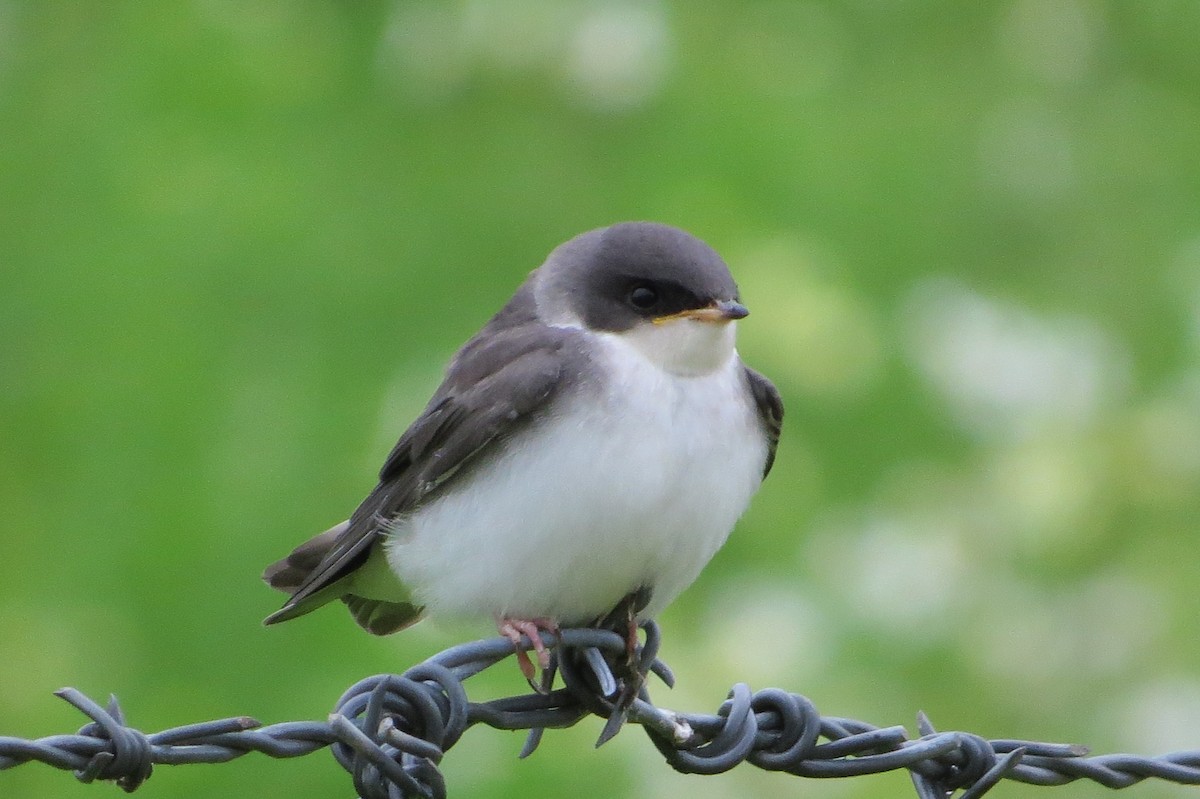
<point x="513" y="629"/>
<point x="631" y="639"/>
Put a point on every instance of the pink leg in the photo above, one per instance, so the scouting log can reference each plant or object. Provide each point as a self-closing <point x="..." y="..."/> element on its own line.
<point x="513" y="629"/>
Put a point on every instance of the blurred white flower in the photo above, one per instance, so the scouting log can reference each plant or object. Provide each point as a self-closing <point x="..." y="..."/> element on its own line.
<point x="1005" y="370"/>
<point x="619" y="55"/>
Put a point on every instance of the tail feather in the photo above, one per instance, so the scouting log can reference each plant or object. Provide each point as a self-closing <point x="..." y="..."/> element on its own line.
<point x="380" y="617"/>
<point x="287" y="574"/>
<point x="376" y="616"/>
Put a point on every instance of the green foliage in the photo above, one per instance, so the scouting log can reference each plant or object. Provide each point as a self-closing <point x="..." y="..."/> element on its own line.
<point x="240" y="239"/>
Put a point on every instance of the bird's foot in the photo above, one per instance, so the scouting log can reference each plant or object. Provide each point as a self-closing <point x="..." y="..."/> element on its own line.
<point x="513" y="629"/>
<point x="631" y="640"/>
<point x="623" y="620"/>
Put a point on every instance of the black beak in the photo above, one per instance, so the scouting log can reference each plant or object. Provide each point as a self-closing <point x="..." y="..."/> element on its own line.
<point x="732" y="309"/>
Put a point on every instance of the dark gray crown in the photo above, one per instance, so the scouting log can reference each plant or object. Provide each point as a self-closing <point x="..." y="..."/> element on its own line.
<point x="615" y="277"/>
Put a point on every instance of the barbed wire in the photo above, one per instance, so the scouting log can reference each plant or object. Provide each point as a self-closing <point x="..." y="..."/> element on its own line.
<point x="390" y="731"/>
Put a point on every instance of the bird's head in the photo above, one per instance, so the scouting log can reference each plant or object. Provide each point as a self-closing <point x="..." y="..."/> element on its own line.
<point x="659" y="288"/>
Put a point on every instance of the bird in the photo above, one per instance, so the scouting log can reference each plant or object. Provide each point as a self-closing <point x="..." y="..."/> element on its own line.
<point x="595" y="442"/>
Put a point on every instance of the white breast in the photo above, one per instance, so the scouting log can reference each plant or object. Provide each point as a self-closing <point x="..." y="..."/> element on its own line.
<point x="635" y="481"/>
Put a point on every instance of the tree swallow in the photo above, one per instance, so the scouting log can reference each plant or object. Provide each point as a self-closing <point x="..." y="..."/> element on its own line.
<point x="596" y="440"/>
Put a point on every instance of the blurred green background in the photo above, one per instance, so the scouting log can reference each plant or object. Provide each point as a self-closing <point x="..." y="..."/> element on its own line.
<point x="238" y="241"/>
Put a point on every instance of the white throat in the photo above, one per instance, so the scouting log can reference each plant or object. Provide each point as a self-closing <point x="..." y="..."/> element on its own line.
<point x="685" y="347"/>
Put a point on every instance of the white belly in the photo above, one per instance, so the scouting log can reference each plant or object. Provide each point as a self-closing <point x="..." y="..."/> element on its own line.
<point x="634" y="485"/>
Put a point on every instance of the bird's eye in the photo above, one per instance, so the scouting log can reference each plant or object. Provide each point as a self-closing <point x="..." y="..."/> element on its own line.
<point x="643" y="298"/>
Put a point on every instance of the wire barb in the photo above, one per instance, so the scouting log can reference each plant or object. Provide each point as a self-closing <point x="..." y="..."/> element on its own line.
<point x="390" y="732"/>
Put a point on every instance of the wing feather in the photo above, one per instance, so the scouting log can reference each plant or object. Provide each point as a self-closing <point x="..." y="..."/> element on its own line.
<point x="495" y="384"/>
<point x="770" y="411"/>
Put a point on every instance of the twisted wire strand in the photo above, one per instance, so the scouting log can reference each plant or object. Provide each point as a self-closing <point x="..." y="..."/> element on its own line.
<point x="391" y="731"/>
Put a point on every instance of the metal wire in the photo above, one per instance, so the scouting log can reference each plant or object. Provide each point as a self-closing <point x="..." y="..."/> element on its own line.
<point x="390" y="731"/>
